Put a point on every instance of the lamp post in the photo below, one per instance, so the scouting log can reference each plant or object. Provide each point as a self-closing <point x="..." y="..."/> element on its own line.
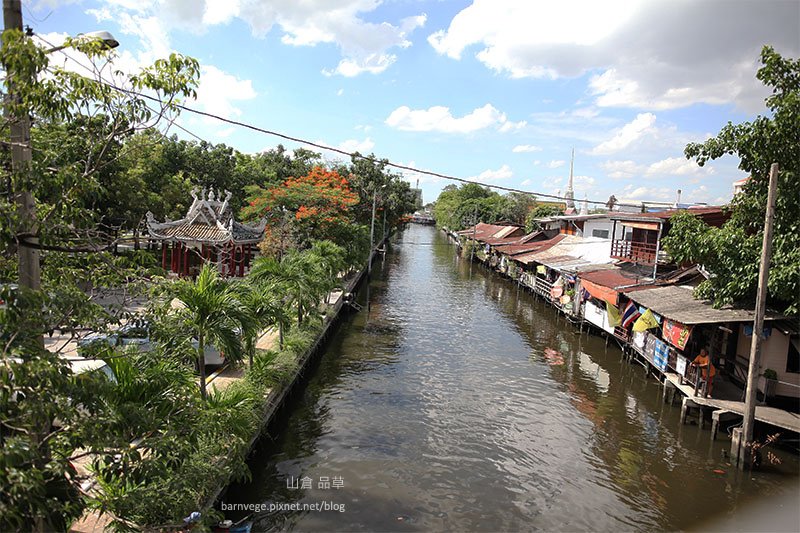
<point x="20" y="136"/>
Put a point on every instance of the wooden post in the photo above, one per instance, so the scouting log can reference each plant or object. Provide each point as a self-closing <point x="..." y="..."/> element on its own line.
<point x="178" y="257"/>
<point x="163" y="255"/>
<point x="241" y="261"/>
<point x="758" y="322"/>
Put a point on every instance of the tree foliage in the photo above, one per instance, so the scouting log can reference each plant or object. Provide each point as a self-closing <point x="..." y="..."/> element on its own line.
<point x="461" y="207"/>
<point x="732" y="252"/>
<point x="47" y="412"/>
<point x="540" y="211"/>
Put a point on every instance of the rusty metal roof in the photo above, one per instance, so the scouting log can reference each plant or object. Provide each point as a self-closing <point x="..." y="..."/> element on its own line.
<point x="528" y="257"/>
<point x="616" y="278"/>
<point x="710" y="215"/>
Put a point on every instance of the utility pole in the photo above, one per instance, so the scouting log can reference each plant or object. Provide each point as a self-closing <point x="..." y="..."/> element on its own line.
<point x="20" y="130"/>
<point x="372" y="231"/>
<point x="474" y="229"/>
<point x="758" y="322"/>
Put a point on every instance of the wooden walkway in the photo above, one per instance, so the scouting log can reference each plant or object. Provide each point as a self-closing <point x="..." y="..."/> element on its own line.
<point x="769" y="415"/>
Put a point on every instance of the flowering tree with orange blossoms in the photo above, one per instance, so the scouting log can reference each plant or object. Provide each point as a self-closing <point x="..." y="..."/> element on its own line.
<point x="319" y="201"/>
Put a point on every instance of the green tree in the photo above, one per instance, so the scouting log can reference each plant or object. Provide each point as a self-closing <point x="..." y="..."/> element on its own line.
<point x="540" y="211"/>
<point x="209" y="307"/>
<point x="45" y="410"/>
<point x="732" y="252"/>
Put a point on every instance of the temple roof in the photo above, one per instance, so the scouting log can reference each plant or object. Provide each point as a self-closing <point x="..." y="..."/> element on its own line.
<point x="209" y="220"/>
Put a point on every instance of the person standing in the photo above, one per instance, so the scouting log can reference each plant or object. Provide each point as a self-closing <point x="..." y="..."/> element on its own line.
<point x="708" y="371"/>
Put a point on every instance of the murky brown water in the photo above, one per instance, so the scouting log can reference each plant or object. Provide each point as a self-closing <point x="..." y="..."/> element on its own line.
<point x="439" y="410"/>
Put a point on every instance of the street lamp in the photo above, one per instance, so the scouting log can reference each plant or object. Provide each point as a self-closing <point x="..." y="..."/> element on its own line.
<point x="106" y="39"/>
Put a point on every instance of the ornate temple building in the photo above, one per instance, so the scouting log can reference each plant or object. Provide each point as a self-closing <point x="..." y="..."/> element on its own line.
<point x="208" y="233"/>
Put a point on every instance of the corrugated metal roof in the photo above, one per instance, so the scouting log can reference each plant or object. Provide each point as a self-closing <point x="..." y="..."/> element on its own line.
<point x="528" y="257"/>
<point x="708" y="214"/>
<point x="571" y="252"/>
<point x="678" y="303"/>
<point x="615" y="278"/>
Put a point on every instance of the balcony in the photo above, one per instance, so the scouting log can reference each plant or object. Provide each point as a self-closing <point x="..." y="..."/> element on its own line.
<point x="643" y="253"/>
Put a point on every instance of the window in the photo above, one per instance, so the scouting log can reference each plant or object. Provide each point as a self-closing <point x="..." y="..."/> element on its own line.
<point x="793" y="358"/>
<point x="602" y="233"/>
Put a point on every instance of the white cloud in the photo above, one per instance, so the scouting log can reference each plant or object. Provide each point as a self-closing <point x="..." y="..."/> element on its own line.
<point x="647" y="54"/>
<point x="365" y="44"/>
<point x="526" y="148"/>
<point x="490" y="175"/>
<point x="677" y="166"/>
<point x="648" y="193"/>
<point x="354" y="145"/>
<point x="555" y="163"/>
<point x="220" y="12"/>
<point x="439" y="118"/>
<point x="621" y="169"/>
<point x="218" y="91"/>
<point x="512" y="126"/>
<point x="665" y="168"/>
<point x="630" y="132"/>
<point x="526" y="182"/>
<point x="340" y="92"/>
<point x="414" y="177"/>
<point x="351" y="67"/>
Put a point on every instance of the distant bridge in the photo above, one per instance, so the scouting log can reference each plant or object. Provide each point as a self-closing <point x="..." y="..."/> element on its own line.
<point x="423" y="218"/>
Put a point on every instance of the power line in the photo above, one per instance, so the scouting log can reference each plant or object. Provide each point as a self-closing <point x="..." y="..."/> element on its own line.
<point x="352" y="155"/>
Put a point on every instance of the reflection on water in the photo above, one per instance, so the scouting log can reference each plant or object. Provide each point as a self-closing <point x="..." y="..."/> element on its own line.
<point x="460" y="403"/>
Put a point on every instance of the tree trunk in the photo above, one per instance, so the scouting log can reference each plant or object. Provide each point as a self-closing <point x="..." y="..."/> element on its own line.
<point x="201" y="364"/>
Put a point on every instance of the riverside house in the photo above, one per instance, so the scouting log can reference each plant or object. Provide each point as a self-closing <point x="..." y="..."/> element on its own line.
<point x="628" y="289"/>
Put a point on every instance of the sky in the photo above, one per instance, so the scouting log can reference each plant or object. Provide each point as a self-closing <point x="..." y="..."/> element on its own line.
<point x="495" y="91"/>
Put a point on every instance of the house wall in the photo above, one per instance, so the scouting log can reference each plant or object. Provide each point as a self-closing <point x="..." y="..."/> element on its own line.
<point x="774" y="351"/>
<point x="602" y="224"/>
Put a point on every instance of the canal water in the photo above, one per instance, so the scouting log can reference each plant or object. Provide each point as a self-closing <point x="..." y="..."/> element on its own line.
<point x="457" y="402"/>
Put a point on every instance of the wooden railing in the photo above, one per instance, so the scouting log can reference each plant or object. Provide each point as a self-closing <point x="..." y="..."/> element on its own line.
<point x="542" y="287"/>
<point x="640" y="252"/>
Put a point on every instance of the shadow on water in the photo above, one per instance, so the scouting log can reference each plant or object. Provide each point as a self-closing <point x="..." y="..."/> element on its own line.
<point x="461" y="403"/>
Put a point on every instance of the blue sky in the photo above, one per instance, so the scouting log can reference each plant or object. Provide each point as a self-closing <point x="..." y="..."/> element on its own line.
<point x="498" y="91"/>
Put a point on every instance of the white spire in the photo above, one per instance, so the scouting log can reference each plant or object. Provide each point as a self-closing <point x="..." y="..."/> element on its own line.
<point x="570" y="194"/>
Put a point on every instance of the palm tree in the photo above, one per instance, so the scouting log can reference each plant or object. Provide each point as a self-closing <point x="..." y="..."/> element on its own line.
<point x="330" y="258"/>
<point x="211" y="309"/>
<point x="264" y="309"/>
<point x="293" y="275"/>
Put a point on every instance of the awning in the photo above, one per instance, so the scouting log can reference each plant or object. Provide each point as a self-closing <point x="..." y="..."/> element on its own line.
<point x="641" y="225"/>
<point x="601" y="293"/>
